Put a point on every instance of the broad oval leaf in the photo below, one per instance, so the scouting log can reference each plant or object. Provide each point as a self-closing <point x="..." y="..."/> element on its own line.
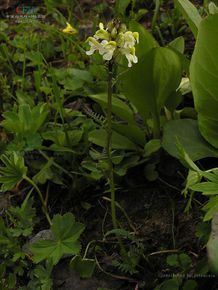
<point x="119" y="107"/>
<point x="121" y="5"/>
<point x="99" y="137"/>
<point x="185" y="131"/>
<point x="150" y="83"/>
<point x="146" y="40"/>
<point x="204" y="78"/>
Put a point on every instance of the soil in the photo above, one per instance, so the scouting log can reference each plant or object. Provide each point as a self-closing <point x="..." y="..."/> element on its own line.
<point x="156" y="210"/>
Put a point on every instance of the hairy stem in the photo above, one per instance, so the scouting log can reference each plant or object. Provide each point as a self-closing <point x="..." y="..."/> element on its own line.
<point x="110" y="173"/>
<point x="108" y="144"/>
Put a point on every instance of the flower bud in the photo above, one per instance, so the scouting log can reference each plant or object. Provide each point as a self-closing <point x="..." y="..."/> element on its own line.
<point x="114" y="33"/>
<point x="122" y="28"/>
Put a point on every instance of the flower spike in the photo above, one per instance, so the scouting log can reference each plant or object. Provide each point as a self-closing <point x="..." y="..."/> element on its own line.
<point x="114" y="40"/>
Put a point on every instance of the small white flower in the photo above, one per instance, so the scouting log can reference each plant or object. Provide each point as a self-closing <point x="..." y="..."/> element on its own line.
<point x="105" y="48"/>
<point x="95" y="45"/>
<point x="109" y="48"/>
<point x="130" y="38"/>
<point x="114" y="41"/>
<point x="130" y="55"/>
<point x="136" y="35"/>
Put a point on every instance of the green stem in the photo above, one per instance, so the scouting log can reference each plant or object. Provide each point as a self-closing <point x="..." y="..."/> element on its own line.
<point x="24" y="69"/>
<point x="160" y="35"/>
<point x="124" y="213"/>
<point x="30" y="181"/>
<point x="154" y="19"/>
<point x="55" y="164"/>
<point x="110" y="173"/>
<point x="108" y="144"/>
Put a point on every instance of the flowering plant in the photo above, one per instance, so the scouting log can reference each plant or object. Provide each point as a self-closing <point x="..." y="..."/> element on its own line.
<point x="114" y="40"/>
<point x="69" y="29"/>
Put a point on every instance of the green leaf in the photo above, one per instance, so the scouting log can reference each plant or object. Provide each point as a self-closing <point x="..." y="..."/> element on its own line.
<point x="27" y="120"/>
<point x="58" y="136"/>
<point x="118" y="232"/>
<point x="152" y="147"/>
<point x="139" y="14"/>
<point x="45" y="173"/>
<point x="121" y="5"/>
<point x="125" y="164"/>
<point x="43" y="276"/>
<point x="212" y="175"/>
<point x="150" y="83"/>
<point x="131" y="131"/>
<point x="70" y="78"/>
<point x="184" y="261"/>
<point x="35" y="57"/>
<point x="23" y="218"/>
<point x="172" y="260"/>
<point x="99" y="138"/>
<point x="204" y="78"/>
<point x="13" y="171"/>
<point x="33" y="141"/>
<point x="85" y="267"/>
<point x="185" y="131"/>
<point x="119" y="107"/>
<point x="172" y="284"/>
<point x="12" y="280"/>
<point x="211" y="208"/>
<point x="192" y="178"/>
<point x="66" y="233"/>
<point x="207" y="188"/>
<point x="178" y="44"/>
<point x="186" y="160"/>
<point x="151" y="172"/>
<point x="146" y="40"/>
<point x="190" y="13"/>
<point x="190" y="285"/>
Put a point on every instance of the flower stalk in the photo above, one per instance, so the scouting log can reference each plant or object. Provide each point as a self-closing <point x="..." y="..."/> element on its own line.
<point x="110" y="171"/>
<point x="108" y="143"/>
<point x="112" y="42"/>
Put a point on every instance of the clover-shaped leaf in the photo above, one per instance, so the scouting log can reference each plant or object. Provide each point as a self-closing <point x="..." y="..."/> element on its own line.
<point x="66" y="233"/>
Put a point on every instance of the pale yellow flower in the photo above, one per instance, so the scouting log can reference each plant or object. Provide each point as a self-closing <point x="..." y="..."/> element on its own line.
<point x="102" y="33"/>
<point x="105" y="48"/>
<point x="69" y="29"/>
<point x="112" y="41"/>
<point x="129" y="53"/>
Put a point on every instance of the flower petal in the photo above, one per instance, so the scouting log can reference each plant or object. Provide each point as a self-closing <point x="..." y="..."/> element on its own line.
<point x="69" y="29"/>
